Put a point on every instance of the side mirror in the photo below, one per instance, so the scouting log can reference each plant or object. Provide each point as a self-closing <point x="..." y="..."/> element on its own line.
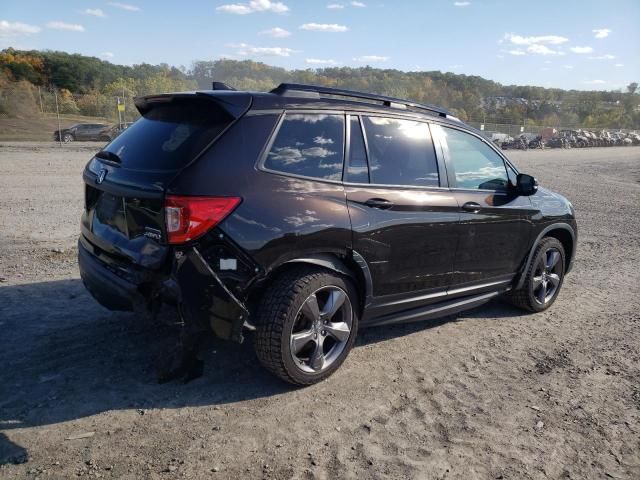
<point x="526" y="184"/>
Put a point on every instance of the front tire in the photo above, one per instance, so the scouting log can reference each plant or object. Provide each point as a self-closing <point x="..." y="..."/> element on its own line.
<point x="543" y="279"/>
<point x="67" y="137"/>
<point x="306" y="325"/>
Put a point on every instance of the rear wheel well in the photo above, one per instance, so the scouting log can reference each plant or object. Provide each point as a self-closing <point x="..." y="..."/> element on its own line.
<point x="565" y="238"/>
<point x="341" y="265"/>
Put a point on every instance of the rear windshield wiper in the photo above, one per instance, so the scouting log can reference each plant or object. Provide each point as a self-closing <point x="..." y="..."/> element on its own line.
<point x="109" y="156"/>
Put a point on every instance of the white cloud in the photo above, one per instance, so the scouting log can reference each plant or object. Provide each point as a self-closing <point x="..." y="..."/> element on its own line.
<point x="542" y="50"/>
<point x="95" y="12"/>
<point x="601" y="32"/>
<point x="319" y="61"/>
<point x="276" y="32"/>
<point x="516" y="52"/>
<point x="252" y="7"/>
<point x="234" y="8"/>
<point x="14" y="29"/>
<point x="608" y="56"/>
<point x="124" y="6"/>
<point x="71" y="27"/>
<point x="619" y="65"/>
<point x="569" y="67"/>
<point x="462" y="4"/>
<point x="358" y="4"/>
<point x="581" y="50"/>
<point x="594" y="82"/>
<point x="246" y="50"/>
<point x="542" y="39"/>
<point x="323" y="27"/>
<point x="106" y="55"/>
<point x="371" y="59"/>
<point x="335" y="6"/>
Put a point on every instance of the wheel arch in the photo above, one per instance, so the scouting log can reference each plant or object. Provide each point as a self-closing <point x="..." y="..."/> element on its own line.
<point x="352" y="266"/>
<point x="565" y="234"/>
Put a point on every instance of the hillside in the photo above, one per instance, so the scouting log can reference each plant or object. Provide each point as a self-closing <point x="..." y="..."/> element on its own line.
<point x="89" y="86"/>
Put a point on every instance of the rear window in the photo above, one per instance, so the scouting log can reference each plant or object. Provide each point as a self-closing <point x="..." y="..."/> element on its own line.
<point x="170" y="135"/>
<point x="310" y="145"/>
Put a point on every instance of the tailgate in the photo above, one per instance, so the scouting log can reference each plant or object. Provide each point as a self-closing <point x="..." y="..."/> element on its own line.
<point x="127" y="224"/>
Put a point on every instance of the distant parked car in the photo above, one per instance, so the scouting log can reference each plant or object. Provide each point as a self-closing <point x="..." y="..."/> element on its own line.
<point x="86" y="132"/>
<point x="500" y="138"/>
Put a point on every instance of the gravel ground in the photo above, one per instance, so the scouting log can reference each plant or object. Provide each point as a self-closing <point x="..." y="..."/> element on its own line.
<point x="489" y="393"/>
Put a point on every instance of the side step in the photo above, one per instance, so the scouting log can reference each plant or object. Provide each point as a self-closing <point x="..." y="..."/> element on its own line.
<point x="436" y="310"/>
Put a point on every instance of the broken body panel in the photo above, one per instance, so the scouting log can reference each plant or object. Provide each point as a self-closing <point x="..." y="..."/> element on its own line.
<point x="124" y="256"/>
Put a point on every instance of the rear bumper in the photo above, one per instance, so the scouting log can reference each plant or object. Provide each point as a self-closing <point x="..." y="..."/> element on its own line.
<point x="109" y="289"/>
<point x="206" y="302"/>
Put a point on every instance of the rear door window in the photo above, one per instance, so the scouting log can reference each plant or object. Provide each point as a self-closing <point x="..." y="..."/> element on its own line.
<point x="170" y="135"/>
<point x="400" y="152"/>
<point x="310" y="145"/>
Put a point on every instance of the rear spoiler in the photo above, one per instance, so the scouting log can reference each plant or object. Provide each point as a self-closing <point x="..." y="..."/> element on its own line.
<point x="234" y="103"/>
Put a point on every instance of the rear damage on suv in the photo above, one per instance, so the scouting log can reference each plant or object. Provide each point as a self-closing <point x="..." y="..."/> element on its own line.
<point x="145" y="238"/>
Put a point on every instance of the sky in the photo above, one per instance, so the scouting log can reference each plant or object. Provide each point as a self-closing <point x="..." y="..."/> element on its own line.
<point x="579" y="44"/>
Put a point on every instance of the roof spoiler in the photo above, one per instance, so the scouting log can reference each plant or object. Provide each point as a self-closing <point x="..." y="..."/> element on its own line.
<point x="234" y="103"/>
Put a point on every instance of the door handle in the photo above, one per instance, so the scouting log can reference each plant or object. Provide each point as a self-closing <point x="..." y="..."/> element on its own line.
<point x="380" y="203"/>
<point x="471" y="207"/>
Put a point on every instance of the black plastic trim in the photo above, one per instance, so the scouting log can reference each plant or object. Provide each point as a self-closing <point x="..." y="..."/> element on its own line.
<point x="541" y="235"/>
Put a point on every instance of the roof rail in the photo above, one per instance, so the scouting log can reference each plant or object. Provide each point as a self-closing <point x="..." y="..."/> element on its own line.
<point x="316" y="91"/>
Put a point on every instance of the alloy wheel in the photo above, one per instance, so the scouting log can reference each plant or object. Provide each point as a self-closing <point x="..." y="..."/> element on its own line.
<point x="321" y="329"/>
<point x="546" y="276"/>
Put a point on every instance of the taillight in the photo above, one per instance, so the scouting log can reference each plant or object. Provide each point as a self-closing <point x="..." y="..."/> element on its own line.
<point x="188" y="218"/>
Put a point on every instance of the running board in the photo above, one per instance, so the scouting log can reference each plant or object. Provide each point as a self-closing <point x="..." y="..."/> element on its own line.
<point x="436" y="310"/>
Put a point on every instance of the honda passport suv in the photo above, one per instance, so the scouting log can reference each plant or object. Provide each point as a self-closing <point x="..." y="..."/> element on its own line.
<point x="306" y="213"/>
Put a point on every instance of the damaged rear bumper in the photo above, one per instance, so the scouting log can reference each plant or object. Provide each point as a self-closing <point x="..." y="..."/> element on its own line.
<point x="114" y="291"/>
<point x="206" y="303"/>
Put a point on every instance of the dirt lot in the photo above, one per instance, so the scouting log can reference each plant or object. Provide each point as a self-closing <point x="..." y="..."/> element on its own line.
<point x="490" y="393"/>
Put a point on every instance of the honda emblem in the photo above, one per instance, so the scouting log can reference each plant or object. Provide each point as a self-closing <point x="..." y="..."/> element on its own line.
<point x="101" y="175"/>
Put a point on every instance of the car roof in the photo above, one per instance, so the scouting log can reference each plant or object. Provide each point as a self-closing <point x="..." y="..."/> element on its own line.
<point x="311" y="97"/>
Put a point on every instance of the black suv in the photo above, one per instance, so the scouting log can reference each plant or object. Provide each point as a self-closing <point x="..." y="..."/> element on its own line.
<point x="85" y="132"/>
<point x="305" y="213"/>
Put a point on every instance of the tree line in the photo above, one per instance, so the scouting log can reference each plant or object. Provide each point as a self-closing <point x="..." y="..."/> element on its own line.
<point x="89" y="86"/>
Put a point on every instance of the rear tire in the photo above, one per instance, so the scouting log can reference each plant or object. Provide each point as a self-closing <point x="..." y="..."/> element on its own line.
<point x="543" y="278"/>
<point x="306" y="324"/>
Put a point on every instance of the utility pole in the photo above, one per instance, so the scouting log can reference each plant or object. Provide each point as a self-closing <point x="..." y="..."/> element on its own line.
<point x="124" y="106"/>
<point x="55" y="93"/>
<point x="40" y="98"/>
<point x="119" y="114"/>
